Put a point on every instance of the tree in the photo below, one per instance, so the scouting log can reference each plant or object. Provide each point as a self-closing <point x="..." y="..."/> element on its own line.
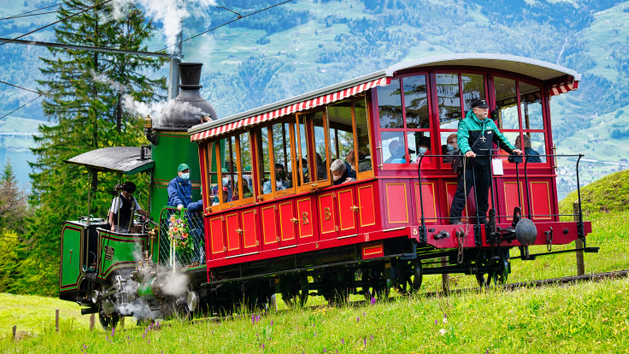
<point x="85" y="90"/>
<point x="13" y="206"/>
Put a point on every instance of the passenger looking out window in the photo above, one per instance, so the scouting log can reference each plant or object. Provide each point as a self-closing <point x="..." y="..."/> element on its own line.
<point x="341" y="172"/>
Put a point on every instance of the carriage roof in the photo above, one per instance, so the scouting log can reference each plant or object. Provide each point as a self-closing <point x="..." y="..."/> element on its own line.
<point x="560" y="80"/>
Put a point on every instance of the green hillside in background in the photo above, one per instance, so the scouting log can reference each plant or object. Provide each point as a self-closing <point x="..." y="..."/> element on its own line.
<point x="609" y="194"/>
<point x="304" y="45"/>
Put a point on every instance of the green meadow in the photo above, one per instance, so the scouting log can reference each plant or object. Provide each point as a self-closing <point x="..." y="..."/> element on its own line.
<point x="580" y="318"/>
<point x="587" y="317"/>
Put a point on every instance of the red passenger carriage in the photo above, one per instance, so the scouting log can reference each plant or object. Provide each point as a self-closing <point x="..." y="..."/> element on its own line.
<point x="274" y="220"/>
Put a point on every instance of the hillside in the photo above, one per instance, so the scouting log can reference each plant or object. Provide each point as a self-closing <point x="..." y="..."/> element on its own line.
<point x="609" y="194"/>
<point x="304" y="45"/>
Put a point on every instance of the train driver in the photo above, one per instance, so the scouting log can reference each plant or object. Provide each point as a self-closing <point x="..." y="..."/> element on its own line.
<point x="123" y="207"/>
<point x="180" y="191"/>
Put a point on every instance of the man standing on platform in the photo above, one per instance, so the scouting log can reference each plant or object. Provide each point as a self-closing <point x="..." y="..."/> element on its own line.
<point x="475" y="137"/>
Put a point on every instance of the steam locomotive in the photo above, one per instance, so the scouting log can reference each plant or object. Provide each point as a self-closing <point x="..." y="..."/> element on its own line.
<point x="274" y="218"/>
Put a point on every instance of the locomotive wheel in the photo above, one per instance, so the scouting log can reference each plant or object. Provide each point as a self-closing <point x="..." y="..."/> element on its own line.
<point x="336" y="291"/>
<point x="376" y="284"/>
<point x="107" y="321"/>
<point x="294" y="289"/>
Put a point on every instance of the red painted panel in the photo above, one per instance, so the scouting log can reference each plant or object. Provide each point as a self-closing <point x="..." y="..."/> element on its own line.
<point x="373" y="251"/>
<point x="232" y="225"/>
<point x="287" y="221"/>
<point x="511" y="198"/>
<point x="451" y="190"/>
<point x="347" y="211"/>
<point x="428" y="201"/>
<point x="269" y="225"/>
<point x="327" y="215"/>
<point x="540" y="200"/>
<point x="216" y="234"/>
<point x="250" y="230"/>
<point x="306" y="218"/>
<point x="397" y="203"/>
<point x="366" y="206"/>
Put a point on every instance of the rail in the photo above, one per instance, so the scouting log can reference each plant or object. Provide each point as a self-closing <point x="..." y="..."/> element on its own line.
<point x="186" y="258"/>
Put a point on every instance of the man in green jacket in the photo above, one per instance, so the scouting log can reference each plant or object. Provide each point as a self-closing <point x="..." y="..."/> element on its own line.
<point x="475" y="137"/>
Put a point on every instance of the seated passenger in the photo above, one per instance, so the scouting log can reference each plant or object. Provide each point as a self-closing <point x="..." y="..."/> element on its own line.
<point x="532" y="156"/>
<point x="123" y="207"/>
<point x="396" y="148"/>
<point x="341" y="172"/>
<point x="322" y="173"/>
<point x="364" y="163"/>
<point x="450" y="148"/>
<point x="280" y="180"/>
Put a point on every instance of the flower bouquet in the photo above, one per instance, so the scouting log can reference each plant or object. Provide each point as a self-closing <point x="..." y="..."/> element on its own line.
<point x="179" y="233"/>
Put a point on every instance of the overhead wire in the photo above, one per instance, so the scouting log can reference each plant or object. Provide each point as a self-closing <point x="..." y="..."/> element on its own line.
<point x="20" y="107"/>
<point x="228" y="22"/>
<point x="26" y="14"/>
<point x="53" y="23"/>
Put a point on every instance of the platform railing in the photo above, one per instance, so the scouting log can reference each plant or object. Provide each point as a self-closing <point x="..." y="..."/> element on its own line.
<point x="185" y="258"/>
<point x="490" y="155"/>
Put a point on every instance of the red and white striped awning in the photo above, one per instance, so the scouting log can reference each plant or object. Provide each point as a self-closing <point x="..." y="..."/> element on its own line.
<point x="564" y="87"/>
<point x="289" y="109"/>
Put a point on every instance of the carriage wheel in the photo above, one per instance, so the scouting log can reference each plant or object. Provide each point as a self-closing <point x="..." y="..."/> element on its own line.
<point x="376" y="284"/>
<point x="294" y="289"/>
<point x="336" y="291"/>
<point x="410" y="277"/>
<point x="500" y="267"/>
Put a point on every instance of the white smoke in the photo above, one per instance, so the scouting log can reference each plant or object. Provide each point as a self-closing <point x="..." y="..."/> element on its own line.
<point x="174" y="284"/>
<point x="171" y="13"/>
<point x="157" y="110"/>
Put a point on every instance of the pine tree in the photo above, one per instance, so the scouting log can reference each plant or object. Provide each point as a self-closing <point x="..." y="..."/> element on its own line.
<point x="84" y="104"/>
<point x="13" y="206"/>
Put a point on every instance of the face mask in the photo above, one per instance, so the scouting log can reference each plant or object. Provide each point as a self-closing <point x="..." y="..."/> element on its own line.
<point x="225" y="181"/>
<point x="449" y="147"/>
<point x="336" y="178"/>
<point x="422" y="150"/>
<point x="185" y="176"/>
<point x="278" y="184"/>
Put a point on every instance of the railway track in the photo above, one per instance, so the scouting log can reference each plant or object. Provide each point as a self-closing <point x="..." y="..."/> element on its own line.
<point x="540" y="283"/>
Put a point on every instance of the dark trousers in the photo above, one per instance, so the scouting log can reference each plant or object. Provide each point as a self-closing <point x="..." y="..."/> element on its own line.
<point x="483" y="181"/>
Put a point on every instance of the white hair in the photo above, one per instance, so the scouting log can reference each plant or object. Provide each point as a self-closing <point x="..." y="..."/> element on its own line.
<point x="338" y="166"/>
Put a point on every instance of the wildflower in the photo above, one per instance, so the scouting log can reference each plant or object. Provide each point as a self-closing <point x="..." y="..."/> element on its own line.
<point x="184" y="235"/>
<point x="271" y="322"/>
<point x="357" y="319"/>
<point x="113" y="330"/>
<point x="342" y="341"/>
<point x="371" y="337"/>
<point x="442" y="331"/>
<point x="436" y="322"/>
<point x="373" y="300"/>
<point x="365" y="341"/>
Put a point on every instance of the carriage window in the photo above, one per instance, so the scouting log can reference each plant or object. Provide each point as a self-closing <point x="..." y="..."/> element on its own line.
<point x="390" y="105"/>
<point x="230" y="172"/>
<point x="538" y="146"/>
<point x="245" y="187"/>
<point x="264" y="161"/>
<point x="416" y="102"/>
<point x="282" y="157"/>
<point x="341" y="130"/>
<point x="212" y="175"/>
<point x="531" y="101"/>
<point x="321" y="152"/>
<point x="419" y="144"/>
<point x="449" y="100"/>
<point x="362" y="137"/>
<point x="393" y="147"/>
<point x="473" y="88"/>
<point x="506" y="104"/>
